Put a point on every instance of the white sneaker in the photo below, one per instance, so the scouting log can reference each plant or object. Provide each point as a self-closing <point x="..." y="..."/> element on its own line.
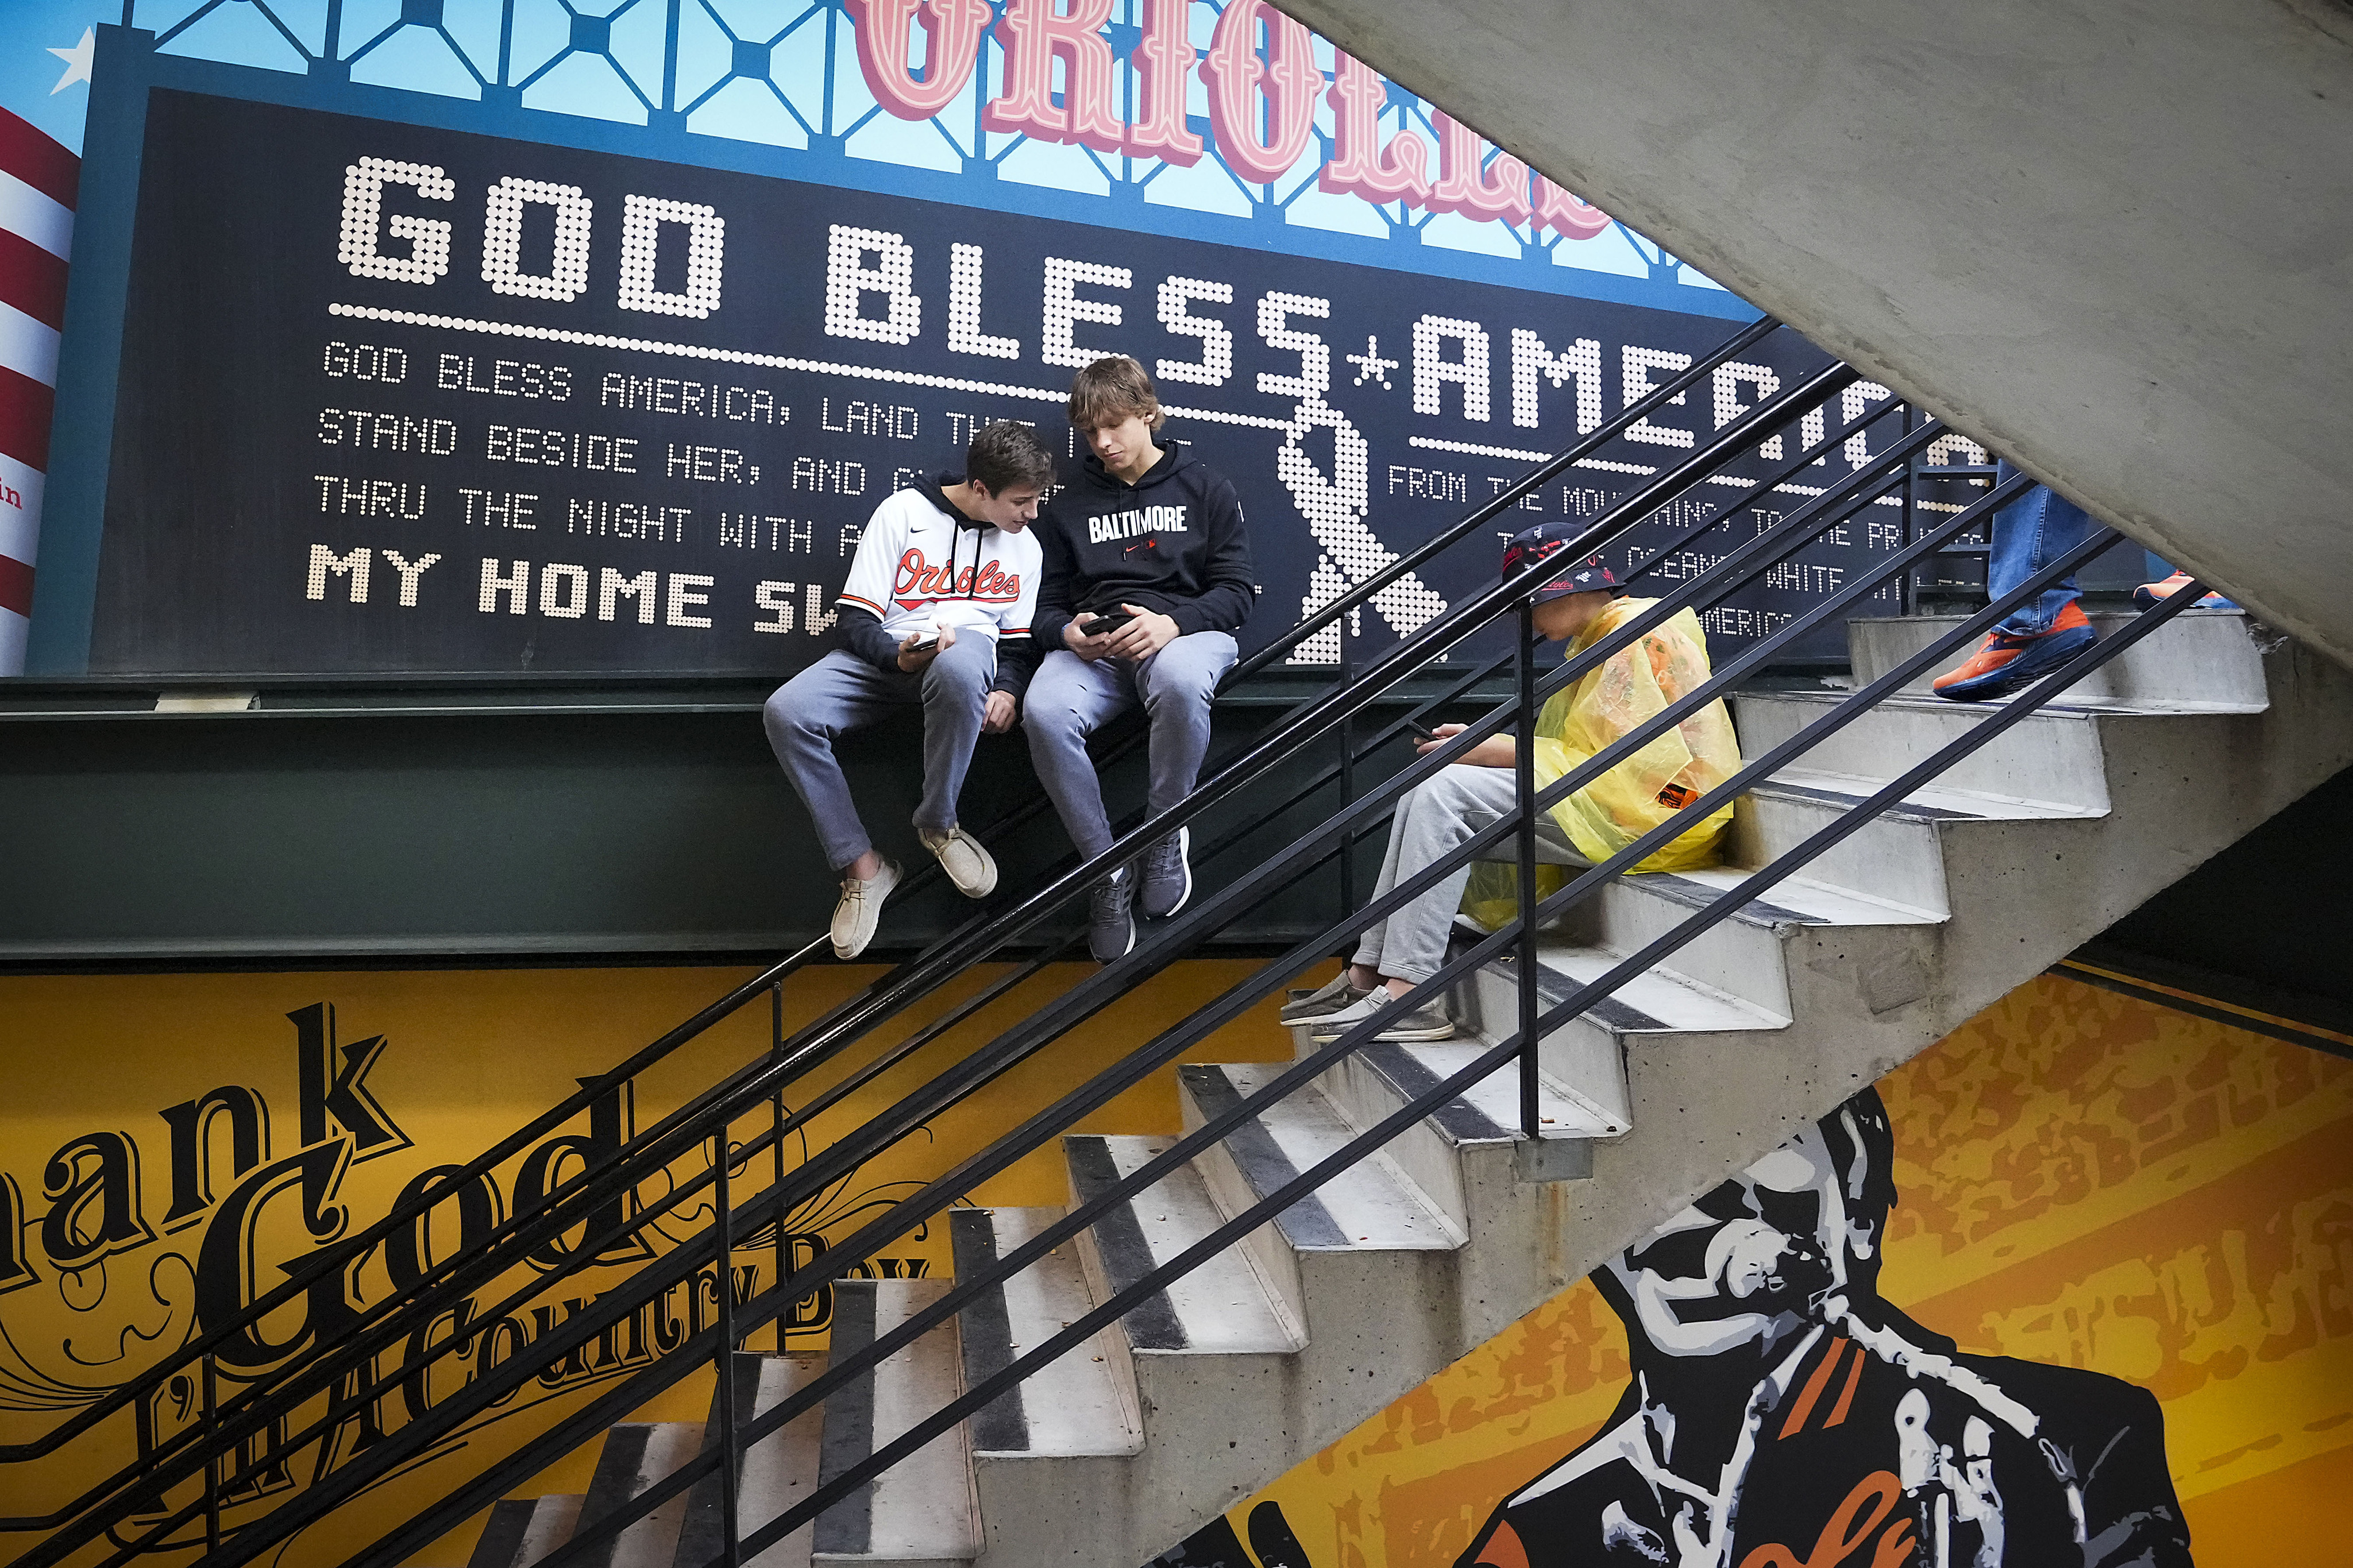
<point x="860" y="909"/>
<point x="963" y="857"/>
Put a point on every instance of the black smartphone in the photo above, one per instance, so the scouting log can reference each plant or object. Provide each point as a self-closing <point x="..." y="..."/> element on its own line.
<point x="1110" y="621"/>
<point x="1421" y="732"/>
<point x="921" y="645"/>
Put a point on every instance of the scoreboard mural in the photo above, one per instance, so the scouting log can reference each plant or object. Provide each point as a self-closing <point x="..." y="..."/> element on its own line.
<point x="397" y="398"/>
<point x="366" y="380"/>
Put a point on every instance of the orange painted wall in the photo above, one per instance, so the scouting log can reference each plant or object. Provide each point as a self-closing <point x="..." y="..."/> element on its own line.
<point x="2084" y="1178"/>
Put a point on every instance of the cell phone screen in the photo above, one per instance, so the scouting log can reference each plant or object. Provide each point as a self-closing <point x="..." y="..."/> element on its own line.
<point x="1112" y="622"/>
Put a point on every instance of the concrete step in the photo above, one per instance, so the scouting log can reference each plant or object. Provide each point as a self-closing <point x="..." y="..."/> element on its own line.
<point x="1343" y="1229"/>
<point x="2054" y="757"/>
<point x="1657" y="1005"/>
<point x="2206" y="657"/>
<point x="521" y="1531"/>
<point x="1744" y="956"/>
<point x="1064" y="1441"/>
<point x="1222" y="1308"/>
<point x="772" y="1475"/>
<point x="921" y="1513"/>
<point x="1081" y="1404"/>
<point x="636" y="1455"/>
<point x="1900" y="857"/>
<point x="1473" y="1137"/>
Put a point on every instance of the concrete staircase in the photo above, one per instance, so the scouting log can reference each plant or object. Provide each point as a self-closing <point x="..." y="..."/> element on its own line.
<point x="1354" y="1296"/>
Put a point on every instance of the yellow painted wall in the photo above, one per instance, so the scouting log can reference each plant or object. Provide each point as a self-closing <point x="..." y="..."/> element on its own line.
<point x="468" y="1057"/>
<point x="2083" y="1178"/>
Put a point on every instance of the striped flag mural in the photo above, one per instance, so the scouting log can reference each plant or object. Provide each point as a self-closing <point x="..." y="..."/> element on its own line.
<point x="38" y="176"/>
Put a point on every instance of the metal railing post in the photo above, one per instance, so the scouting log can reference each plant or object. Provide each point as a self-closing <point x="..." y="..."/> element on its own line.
<point x="1347" y="775"/>
<point x="212" y="1464"/>
<point x="1523" y="764"/>
<point x="784" y="1249"/>
<point x="1907" y="589"/>
<point x="729" y="1428"/>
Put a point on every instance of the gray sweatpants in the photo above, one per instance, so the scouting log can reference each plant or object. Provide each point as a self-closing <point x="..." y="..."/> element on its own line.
<point x="842" y="691"/>
<point x="1069" y="698"/>
<point x="1432" y="817"/>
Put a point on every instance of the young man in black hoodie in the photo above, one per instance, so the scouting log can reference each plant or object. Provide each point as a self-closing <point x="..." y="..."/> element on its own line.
<point x="1147" y="577"/>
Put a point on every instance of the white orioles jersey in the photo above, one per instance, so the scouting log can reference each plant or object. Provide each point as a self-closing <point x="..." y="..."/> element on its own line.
<point x="921" y="568"/>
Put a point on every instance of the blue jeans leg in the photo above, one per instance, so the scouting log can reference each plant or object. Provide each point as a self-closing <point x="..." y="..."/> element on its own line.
<point x="1177" y="684"/>
<point x="804" y="718"/>
<point x="2029" y="534"/>
<point x="1069" y="700"/>
<point x="955" y="695"/>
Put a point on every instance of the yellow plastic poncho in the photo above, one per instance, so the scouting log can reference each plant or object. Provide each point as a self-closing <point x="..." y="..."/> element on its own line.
<point x="1625" y="803"/>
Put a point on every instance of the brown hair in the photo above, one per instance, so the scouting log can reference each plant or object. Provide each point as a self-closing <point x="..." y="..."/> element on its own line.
<point x="1110" y="390"/>
<point x="1006" y="456"/>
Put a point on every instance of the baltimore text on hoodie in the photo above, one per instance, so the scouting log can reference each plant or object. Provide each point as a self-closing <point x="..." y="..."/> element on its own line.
<point x="1173" y="542"/>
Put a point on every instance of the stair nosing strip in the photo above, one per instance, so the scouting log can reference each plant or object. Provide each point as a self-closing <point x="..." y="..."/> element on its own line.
<point x="985" y="1333"/>
<point x="1307" y="1224"/>
<point x="1698" y="895"/>
<point x="630" y="1438"/>
<point x="1458" y="1118"/>
<point x="1152" y="1323"/>
<point x="1904" y="811"/>
<point x="508" y="1525"/>
<point x="702" y="1532"/>
<point x="847" y="1528"/>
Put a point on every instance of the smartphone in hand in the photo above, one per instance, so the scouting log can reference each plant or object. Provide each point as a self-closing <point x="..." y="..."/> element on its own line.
<point x="1110" y="621"/>
<point x="921" y="645"/>
<point x="1421" y="732"/>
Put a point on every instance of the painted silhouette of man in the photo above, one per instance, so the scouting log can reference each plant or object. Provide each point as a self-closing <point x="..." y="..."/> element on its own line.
<point x="1783" y="1415"/>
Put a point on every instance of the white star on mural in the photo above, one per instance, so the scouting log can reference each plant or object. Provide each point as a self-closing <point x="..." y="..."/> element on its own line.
<point x="1370" y="365"/>
<point x="78" y="59"/>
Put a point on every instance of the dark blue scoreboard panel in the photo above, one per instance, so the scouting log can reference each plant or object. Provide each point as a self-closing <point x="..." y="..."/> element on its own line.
<point x="397" y="398"/>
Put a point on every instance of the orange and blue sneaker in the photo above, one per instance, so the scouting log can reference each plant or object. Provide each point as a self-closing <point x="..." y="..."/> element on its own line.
<point x="2006" y="664"/>
<point x="2147" y="594"/>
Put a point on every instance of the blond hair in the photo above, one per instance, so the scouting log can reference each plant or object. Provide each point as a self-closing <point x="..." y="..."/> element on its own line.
<point x="1112" y="390"/>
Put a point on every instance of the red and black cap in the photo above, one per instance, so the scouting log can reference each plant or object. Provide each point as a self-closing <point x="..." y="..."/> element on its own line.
<point x="1544" y="542"/>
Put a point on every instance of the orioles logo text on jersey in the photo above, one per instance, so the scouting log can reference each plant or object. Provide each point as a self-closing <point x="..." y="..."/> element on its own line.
<point x="918" y="582"/>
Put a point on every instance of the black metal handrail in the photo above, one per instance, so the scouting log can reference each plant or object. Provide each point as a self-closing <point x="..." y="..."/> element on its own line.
<point x="1784" y="410"/>
<point x="1801" y="542"/>
<point x="301" y="1279"/>
<point x="1267" y="1208"/>
<point x="707" y="1100"/>
<point x="1696" y="529"/>
<point x="1017" y="1143"/>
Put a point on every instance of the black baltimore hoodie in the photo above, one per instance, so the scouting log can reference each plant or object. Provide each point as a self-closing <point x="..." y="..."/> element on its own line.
<point x="1172" y="542"/>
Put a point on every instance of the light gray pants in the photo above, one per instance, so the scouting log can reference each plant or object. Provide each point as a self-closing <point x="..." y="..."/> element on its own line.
<point x="1432" y="819"/>
<point x="1069" y="698"/>
<point x="842" y="691"/>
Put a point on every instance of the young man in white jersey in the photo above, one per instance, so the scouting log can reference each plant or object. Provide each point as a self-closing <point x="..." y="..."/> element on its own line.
<point x="936" y="614"/>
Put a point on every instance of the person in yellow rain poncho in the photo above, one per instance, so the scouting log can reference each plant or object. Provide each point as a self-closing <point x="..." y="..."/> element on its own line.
<point x="1579" y="606"/>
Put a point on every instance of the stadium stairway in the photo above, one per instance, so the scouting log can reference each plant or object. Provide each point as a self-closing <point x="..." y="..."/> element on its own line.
<point x="1405" y="1262"/>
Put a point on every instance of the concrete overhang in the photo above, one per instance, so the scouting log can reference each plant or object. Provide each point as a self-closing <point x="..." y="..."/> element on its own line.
<point x="2112" y="239"/>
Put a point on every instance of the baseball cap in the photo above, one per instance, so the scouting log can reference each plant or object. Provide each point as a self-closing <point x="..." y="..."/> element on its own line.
<point x="1549" y="538"/>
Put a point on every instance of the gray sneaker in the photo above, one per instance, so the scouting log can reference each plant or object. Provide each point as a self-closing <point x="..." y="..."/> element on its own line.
<point x="1168" y="874"/>
<point x="1110" y="925"/>
<point x="1306" y="1007"/>
<point x="1427" y="1021"/>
